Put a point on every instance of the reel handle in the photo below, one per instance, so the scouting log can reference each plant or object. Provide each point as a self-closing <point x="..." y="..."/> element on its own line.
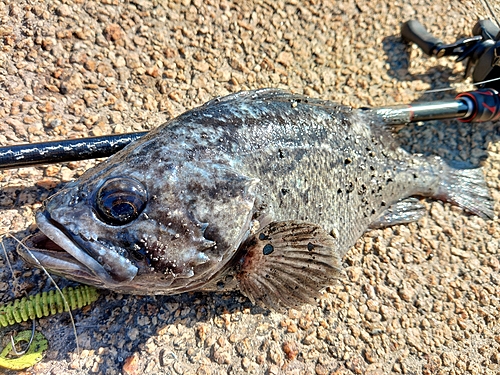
<point x="414" y="31"/>
<point x="487" y="29"/>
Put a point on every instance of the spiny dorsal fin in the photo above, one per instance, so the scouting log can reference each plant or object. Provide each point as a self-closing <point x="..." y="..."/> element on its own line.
<point x="287" y="263"/>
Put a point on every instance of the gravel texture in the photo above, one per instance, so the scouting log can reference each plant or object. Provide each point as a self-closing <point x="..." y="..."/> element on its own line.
<point x="416" y="299"/>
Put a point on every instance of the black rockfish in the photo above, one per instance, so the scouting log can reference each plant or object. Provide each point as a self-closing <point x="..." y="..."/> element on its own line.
<point x="262" y="191"/>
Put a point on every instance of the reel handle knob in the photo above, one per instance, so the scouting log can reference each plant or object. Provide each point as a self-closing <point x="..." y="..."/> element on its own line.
<point x="487" y="29"/>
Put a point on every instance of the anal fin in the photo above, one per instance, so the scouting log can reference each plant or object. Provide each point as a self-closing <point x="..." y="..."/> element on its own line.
<point x="405" y="211"/>
<point x="286" y="264"/>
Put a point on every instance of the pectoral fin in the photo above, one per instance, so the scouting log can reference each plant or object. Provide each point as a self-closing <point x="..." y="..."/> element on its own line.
<point x="286" y="264"/>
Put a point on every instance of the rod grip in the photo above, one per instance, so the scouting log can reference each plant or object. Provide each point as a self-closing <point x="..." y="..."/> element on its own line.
<point x="486" y="105"/>
<point x="414" y="31"/>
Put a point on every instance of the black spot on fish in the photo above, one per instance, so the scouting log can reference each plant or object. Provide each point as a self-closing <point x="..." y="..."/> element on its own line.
<point x="138" y="254"/>
<point x="310" y="246"/>
<point x="268" y="249"/>
<point x="263" y="237"/>
<point x="339" y="191"/>
<point x="284" y="191"/>
<point x="347" y="161"/>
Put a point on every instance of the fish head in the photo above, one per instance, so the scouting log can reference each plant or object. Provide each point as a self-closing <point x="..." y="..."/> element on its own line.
<point x="163" y="228"/>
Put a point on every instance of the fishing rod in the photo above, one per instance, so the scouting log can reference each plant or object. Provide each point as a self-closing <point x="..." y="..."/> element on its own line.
<point x="473" y="106"/>
<point x="31" y="154"/>
<point x="483" y="64"/>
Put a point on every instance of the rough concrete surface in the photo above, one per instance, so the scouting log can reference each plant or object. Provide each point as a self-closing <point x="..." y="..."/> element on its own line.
<point x="415" y="299"/>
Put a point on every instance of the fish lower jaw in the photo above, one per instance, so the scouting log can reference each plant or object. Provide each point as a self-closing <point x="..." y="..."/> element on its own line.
<point x="57" y="252"/>
<point x="57" y="262"/>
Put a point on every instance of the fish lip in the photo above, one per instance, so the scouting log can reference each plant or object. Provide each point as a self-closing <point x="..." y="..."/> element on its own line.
<point x="82" y="261"/>
<point x="59" y="262"/>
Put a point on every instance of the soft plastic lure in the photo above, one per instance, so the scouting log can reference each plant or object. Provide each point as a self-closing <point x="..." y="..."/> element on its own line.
<point x="45" y="304"/>
<point x="33" y="355"/>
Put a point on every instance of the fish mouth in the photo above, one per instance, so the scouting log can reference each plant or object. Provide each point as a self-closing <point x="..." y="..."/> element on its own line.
<point x="54" y="249"/>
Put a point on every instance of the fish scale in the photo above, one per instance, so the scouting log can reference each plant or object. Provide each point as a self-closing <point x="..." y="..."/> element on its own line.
<point x="260" y="191"/>
<point x="330" y="168"/>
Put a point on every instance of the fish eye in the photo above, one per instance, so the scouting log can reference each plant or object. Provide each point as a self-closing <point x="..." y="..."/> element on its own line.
<point x="120" y="200"/>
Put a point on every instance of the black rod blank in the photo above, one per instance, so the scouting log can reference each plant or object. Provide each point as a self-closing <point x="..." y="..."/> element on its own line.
<point x="25" y="155"/>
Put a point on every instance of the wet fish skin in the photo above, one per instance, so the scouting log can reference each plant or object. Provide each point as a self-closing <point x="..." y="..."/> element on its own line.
<point x="262" y="191"/>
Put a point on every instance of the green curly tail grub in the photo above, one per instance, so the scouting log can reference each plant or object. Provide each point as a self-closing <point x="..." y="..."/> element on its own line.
<point x="45" y="304"/>
<point x="31" y="357"/>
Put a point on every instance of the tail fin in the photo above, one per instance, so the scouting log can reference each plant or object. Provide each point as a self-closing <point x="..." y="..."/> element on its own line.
<point x="467" y="189"/>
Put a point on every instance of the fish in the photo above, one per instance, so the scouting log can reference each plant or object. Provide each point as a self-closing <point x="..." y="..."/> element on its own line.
<point x="261" y="192"/>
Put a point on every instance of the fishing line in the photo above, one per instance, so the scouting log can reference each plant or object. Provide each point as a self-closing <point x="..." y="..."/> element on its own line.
<point x="439" y="90"/>
<point x="454" y="88"/>
<point x="14" y="277"/>
<point x="22" y="352"/>
<point x="487" y="7"/>
<point x="66" y="304"/>
<point x="34" y="353"/>
<point x="15" y="283"/>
